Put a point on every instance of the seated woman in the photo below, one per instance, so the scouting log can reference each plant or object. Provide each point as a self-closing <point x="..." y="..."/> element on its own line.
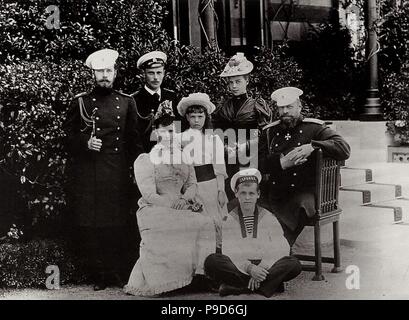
<point x="176" y="236"/>
<point x="206" y="152"/>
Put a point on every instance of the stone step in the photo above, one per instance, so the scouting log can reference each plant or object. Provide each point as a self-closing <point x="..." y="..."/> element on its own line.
<point x="391" y="173"/>
<point x="371" y="192"/>
<point x="400" y="207"/>
<point x="354" y="176"/>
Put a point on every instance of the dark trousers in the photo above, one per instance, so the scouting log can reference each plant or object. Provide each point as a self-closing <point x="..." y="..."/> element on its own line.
<point x="290" y="234"/>
<point x="104" y="250"/>
<point x="221" y="269"/>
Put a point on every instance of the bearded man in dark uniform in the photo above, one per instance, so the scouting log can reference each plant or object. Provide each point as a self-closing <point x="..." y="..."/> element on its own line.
<point x="103" y="141"/>
<point x="152" y="95"/>
<point x="288" y="145"/>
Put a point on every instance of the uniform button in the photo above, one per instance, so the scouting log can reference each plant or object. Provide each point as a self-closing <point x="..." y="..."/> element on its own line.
<point x="98" y="129"/>
<point x="300" y="131"/>
<point x="294" y="174"/>
<point x="278" y="133"/>
<point x="93" y="99"/>
<point x="117" y="107"/>
<point x="119" y="117"/>
<point x="97" y="118"/>
<point x="299" y="143"/>
<point x="276" y="145"/>
<point x="117" y="138"/>
<point x="292" y="185"/>
<point x="116" y="98"/>
<point x="274" y="182"/>
<point x="116" y="149"/>
<point x="119" y="128"/>
<point x="152" y="110"/>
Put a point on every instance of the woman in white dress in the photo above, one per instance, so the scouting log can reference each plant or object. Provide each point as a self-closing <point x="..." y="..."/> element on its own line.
<point x="176" y="235"/>
<point x="205" y="151"/>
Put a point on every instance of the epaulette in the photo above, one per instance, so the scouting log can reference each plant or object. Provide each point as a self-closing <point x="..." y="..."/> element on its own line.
<point x="123" y="94"/>
<point x="312" y="120"/>
<point x="80" y="95"/>
<point x="271" y="124"/>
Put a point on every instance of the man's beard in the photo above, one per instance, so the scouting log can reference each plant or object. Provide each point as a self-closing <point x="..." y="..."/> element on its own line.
<point x="289" y="121"/>
<point x="105" y="84"/>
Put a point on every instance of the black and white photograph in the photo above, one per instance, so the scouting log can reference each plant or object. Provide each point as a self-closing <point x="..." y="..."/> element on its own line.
<point x="215" y="151"/>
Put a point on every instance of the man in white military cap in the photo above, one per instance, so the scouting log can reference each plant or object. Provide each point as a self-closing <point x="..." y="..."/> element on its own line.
<point x="103" y="142"/>
<point x="286" y="158"/>
<point x="255" y="252"/>
<point x="151" y="95"/>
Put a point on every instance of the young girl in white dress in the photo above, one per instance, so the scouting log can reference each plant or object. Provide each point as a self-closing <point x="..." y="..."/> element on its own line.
<point x="205" y="151"/>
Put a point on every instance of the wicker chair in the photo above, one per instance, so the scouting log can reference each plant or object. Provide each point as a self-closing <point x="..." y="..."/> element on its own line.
<point x="327" y="175"/>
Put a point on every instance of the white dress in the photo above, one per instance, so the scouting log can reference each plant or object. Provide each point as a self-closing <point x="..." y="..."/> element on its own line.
<point x="174" y="243"/>
<point x="202" y="149"/>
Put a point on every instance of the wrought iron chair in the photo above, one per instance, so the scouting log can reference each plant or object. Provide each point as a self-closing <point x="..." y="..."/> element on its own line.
<point x="327" y="177"/>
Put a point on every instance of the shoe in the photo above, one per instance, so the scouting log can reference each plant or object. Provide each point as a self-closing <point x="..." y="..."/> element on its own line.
<point x="225" y="290"/>
<point x="281" y="288"/>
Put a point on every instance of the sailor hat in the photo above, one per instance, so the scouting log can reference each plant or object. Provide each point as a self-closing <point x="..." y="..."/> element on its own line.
<point x="246" y="175"/>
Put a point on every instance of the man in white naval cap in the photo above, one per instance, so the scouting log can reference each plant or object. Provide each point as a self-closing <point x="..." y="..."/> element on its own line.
<point x="103" y="142"/>
<point x="151" y="95"/>
<point x="288" y="145"/>
<point x="255" y="253"/>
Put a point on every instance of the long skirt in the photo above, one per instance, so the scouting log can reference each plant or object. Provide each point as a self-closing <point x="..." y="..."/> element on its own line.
<point x="207" y="192"/>
<point x="173" y="248"/>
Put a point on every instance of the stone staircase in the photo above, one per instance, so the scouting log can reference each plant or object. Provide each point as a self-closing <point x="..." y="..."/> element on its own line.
<point x="374" y="194"/>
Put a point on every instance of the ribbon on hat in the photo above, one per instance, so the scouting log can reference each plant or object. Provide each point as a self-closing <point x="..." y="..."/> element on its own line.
<point x="246" y="179"/>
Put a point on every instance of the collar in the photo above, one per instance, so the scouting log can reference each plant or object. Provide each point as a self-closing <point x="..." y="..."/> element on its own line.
<point x="151" y="92"/>
<point x="242" y="226"/>
<point x="241" y="96"/>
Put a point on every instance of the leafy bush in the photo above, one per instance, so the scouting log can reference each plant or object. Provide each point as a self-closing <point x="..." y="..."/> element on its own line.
<point x="24" y="265"/>
<point x="333" y="81"/>
<point x="189" y="71"/>
<point x="393" y="37"/>
<point x="394" y="68"/>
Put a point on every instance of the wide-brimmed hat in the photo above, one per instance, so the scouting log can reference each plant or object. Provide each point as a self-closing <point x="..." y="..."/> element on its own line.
<point x="246" y="175"/>
<point x="195" y="99"/>
<point x="102" y="59"/>
<point x="152" y="59"/>
<point x="238" y="65"/>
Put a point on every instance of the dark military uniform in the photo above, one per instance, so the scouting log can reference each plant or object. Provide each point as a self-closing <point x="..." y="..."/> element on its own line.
<point x="241" y="112"/>
<point x="147" y="105"/>
<point x="290" y="192"/>
<point x="100" y="181"/>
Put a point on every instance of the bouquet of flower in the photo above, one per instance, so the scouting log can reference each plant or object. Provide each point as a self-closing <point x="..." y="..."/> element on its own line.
<point x="195" y="206"/>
